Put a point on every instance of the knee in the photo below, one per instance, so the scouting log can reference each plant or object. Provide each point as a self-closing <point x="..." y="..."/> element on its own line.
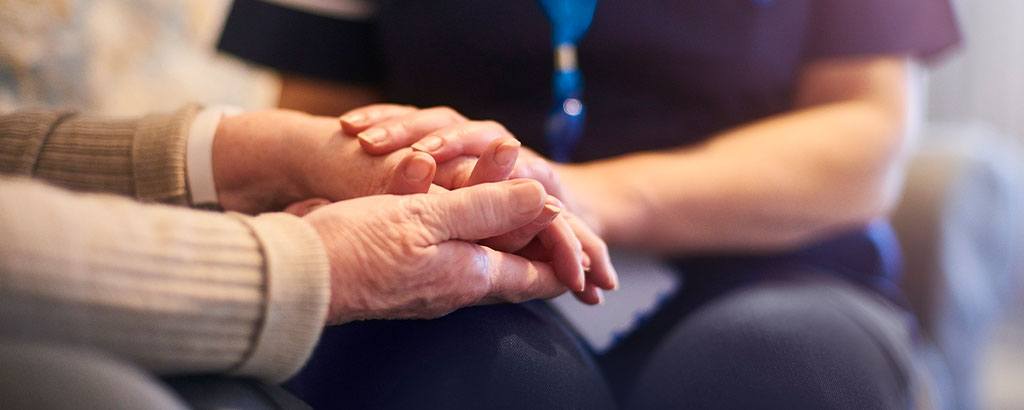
<point x="779" y="346"/>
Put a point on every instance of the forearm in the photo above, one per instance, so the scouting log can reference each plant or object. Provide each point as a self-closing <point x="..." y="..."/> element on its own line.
<point x="772" y="185"/>
<point x="143" y="158"/>
<point x="174" y="290"/>
<point x="257" y="158"/>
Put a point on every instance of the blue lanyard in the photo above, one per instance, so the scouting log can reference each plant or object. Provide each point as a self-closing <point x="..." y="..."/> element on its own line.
<point x="570" y="20"/>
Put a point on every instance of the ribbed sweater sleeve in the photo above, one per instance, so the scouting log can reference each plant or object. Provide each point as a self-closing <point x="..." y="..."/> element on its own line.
<point x="142" y="158"/>
<point x="172" y="289"/>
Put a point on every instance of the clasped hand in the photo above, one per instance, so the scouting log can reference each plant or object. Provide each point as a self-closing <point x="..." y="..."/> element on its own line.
<point x="418" y="255"/>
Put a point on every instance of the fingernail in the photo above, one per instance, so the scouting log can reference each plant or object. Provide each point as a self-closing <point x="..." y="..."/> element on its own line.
<point x="547" y="215"/>
<point x="526" y="195"/>
<point x="600" y="296"/>
<point x="373" y="136"/>
<point x="582" y="278"/>
<point x="585" y="260"/>
<point x="429" y="144"/>
<point x="506" y="153"/>
<point x="353" y="118"/>
<point x="417" y="170"/>
<point x="553" y="210"/>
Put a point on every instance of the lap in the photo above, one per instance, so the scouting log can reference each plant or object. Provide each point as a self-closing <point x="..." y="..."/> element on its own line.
<point x="792" y="338"/>
<point x="789" y="339"/>
<point x="519" y="356"/>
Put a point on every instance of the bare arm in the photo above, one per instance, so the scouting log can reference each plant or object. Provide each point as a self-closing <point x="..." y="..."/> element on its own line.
<point x="834" y="162"/>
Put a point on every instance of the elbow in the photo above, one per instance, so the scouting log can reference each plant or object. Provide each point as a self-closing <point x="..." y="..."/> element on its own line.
<point x="874" y="205"/>
<point x="864" y="201"/>
<point x="845" y="216"/>
<point x="862" y="194"/>
<point x="871" y="177"/>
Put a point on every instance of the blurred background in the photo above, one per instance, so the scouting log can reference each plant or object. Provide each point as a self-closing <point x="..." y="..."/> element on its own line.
<point x="960" y="223"/>
<point x="155" y="54"/>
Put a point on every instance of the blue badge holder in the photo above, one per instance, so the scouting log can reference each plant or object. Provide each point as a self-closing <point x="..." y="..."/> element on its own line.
<point x="570" y="20"/>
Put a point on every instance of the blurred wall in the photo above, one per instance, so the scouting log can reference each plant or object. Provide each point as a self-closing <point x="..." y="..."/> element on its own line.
<point x="985" y="79"/>
<point x="121" y="57"/>
<point x="984" y="83"/>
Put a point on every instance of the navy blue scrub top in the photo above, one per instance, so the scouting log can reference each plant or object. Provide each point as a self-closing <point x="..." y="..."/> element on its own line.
<point x="659" y="73"/>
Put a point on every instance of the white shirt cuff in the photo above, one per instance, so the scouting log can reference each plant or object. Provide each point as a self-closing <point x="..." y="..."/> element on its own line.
<point x="199" y="154"/>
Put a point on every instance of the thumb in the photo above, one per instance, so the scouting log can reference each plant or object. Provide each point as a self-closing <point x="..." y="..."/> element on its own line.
<point x="482" y="211"/>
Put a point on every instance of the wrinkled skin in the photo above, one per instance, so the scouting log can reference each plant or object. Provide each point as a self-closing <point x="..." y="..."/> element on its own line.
<point x="410" y="256"/>
<point x="460" y="147"/>
<point x="265" y="160"/>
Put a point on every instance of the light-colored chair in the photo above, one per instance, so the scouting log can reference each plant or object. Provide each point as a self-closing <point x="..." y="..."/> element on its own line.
<point x="961" y="226"/>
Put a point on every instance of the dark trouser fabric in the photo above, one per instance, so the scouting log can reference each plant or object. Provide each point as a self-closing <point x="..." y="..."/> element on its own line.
<point x="489" y="357"/>
<point x="787" y="340"/>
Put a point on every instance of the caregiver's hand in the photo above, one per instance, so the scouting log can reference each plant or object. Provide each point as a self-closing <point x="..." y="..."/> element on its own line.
<point x="447" y="136"/>
<point x="455" y="142"/>
<point x="263" y="161"/>
<point x="411" y="256"/>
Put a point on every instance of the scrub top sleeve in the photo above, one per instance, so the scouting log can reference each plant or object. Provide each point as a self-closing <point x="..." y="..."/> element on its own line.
<point x="921" y="28"/>
<point x="331" y="43"/>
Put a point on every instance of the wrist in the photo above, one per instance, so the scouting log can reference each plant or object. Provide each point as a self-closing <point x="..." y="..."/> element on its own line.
<point x="600" y="198"/>
<point x="582" y="194"/>
<point x="256" y="157"/>
<point x="332" y="315"/>
<point x="341" y="307"/>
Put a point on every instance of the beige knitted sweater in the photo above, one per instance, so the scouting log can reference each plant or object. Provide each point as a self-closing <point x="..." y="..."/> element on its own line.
<point x="171" y="289"/>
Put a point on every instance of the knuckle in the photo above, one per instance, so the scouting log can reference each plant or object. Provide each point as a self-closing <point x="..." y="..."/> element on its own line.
<point x="444" y="110"/>
<point x="543" y="170"/>
<point x="415" y="207"/>
<point x="474" y="266"/>
<point x="470" y="284"/>
<point x="492" y="125"/>
<point x="478" y="286"/>
<point x="452" y="114"/>
<point x="419" y="217"/>
<point x="400" y="128"/>
<point x="376" y="110"/>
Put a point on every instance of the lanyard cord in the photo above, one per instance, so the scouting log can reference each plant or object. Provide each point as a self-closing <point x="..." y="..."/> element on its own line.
<point x="570" y="20"/>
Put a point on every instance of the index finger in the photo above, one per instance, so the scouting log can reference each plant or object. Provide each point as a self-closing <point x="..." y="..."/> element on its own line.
<point x="477" y="212"/>
<point x="402" y="131"/>
<point x="515" y="279"/>
<point x="464" y="138"/>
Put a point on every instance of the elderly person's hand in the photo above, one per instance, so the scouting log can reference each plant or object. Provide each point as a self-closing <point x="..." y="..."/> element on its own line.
<point x="412" y="256"/>
<point x="265" y="160"/>
<point x="469" y="152"/>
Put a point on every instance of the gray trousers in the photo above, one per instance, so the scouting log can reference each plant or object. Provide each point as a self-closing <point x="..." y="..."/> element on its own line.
<point x="42" y="376"/>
